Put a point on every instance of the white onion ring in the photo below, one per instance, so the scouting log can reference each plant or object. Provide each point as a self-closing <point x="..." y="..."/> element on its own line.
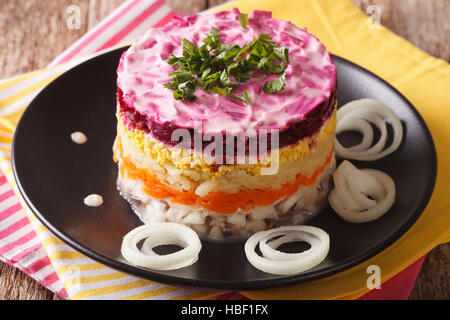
<point x="350" y="198"/>
<point x="161" y="233"/>
<point x="281" y="263"/>
<point x="355" y="116"/>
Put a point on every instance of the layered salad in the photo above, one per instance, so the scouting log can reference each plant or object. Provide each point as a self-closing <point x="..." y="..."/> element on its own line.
<point x="226" y="123"/>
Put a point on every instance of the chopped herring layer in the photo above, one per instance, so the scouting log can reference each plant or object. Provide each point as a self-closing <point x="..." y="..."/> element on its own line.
<point x="294" y="209"/>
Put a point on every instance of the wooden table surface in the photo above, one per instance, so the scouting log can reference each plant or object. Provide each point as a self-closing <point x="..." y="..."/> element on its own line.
<point x="34" y="32"/>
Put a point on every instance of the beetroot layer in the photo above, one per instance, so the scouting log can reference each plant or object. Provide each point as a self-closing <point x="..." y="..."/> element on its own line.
<point x="289" y="136"/>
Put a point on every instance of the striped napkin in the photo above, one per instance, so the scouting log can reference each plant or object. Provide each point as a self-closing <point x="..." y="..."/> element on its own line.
<point x="25" y="243"/>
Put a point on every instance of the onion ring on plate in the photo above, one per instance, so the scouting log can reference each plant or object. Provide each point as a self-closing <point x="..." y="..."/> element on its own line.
<point x="350" y="197"/>
<point x="356" y="116"/>
<point x="161" y="233"/>
<point x="276" y="262"/>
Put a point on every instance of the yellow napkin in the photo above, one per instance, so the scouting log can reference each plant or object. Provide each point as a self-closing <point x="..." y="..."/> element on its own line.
<point x="424" y="80"/>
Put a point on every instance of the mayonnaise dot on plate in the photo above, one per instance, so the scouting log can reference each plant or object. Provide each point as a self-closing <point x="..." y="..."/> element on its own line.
<point x="93" y="200"/>
<point x="78" y="137"/>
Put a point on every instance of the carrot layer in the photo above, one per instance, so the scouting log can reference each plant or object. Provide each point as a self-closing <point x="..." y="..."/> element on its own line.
<point x="217" y="201"/>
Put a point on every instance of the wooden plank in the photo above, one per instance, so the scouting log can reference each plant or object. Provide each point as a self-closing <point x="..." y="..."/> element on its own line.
<point x="424" y="23"/>
<point x="16" y="285"/>
<point x="188" y="6"/>
<point x="433" y="281"/>
<point x="99" y="9"/>
<point x="36" y="32"/>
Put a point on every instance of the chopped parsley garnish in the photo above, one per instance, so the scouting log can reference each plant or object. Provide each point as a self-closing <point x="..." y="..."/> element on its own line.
<point x="275" y="85"/>
<point x="221" y="68"/>
<point x="243" y="20"/>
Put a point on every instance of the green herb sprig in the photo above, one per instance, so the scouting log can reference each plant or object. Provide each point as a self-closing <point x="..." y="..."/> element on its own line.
<point x="214" y="65"/>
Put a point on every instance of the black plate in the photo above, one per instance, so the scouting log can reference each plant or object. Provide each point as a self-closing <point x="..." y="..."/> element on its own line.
<point x="54" y="175"/>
